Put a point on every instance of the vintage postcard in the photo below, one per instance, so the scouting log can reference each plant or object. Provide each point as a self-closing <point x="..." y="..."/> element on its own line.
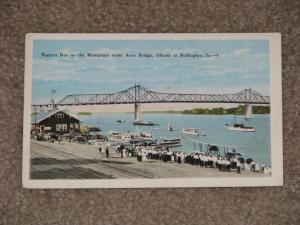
<point x="152" y="110"/>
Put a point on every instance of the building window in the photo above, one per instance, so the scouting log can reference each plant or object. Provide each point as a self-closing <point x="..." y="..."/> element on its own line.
<point x="61" y="127"/>
<point x="59" y="115"/>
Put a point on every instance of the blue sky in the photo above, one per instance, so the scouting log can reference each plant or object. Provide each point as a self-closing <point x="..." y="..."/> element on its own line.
<point x="240" y="64"/>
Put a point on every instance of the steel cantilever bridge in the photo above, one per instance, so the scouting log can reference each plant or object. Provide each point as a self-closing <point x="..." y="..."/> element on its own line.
<point x="138" y="95"/>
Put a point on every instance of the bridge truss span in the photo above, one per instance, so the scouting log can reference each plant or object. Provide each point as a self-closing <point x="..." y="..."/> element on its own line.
<point x="140" y="95"/>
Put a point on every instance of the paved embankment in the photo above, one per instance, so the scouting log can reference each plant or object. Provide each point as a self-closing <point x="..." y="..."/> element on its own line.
<point x="81" y="161"/>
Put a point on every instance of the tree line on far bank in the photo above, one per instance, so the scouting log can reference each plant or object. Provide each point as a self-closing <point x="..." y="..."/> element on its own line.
<point x="240" y="110"/>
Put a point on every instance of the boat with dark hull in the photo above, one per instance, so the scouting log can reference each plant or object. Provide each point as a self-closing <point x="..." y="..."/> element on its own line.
<point x="121" y="121"/>
<point x="143" y="123"/>
<point x="170" y="142"/>
<point x="239" y="127"/>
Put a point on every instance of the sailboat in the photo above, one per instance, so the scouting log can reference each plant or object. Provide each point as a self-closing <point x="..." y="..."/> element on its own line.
<point x="170" y="128"/>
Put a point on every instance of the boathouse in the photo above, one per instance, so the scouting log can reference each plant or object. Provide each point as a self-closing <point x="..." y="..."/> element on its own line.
<point x="55" y="121"/>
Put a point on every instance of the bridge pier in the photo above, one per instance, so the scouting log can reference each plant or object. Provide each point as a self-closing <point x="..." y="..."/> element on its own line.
<point x="137" y="112"/>
<point x="248" y="111"/>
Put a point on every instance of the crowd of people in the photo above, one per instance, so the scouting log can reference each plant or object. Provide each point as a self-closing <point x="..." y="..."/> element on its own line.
<point x="196" y="158"/>
<point x="203" y="159"/>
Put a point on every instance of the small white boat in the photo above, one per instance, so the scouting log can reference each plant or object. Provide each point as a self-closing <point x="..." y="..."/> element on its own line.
<point x="192" y="131"/>
<point x="240" y="127"/>
<point x="170" y="142"/>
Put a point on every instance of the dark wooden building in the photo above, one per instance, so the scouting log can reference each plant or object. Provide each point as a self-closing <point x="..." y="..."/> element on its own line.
<point x="55" y="121"/>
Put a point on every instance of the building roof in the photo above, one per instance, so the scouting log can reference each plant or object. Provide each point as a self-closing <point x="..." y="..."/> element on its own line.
<point x="39" y="117"/>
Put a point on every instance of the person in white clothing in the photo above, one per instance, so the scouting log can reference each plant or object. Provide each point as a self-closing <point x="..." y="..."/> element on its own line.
<point x="144" y="154"/>
<point x="124" y="152"/>
<point x="215" y="159"/>
<point x="182" y="157"/>
<point x="139" y="155"/>
<point x="257" y="167"/>
<point x="227" y="165"/>
<point x="172" y="158"/>
<point x="205" y="161"/>
<point x="238" y="166"/>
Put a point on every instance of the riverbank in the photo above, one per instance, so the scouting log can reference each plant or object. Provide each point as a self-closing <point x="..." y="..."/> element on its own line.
<point x="66" y="160"/>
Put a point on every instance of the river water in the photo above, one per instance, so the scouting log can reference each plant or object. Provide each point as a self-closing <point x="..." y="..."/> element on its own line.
<point x="255" y="145"/>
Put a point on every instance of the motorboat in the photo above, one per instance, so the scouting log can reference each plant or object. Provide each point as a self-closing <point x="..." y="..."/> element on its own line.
<point x="121" y="121"/>
<point x="143" y="123"/>
<point x="193" y="131"/>
<point x="240" y="127"/>
<point x="170" y="142"/>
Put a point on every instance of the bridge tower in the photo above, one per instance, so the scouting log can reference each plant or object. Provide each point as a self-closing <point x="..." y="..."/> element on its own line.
<point x="137" y="112"/>
<point x="51" y="104"/>
<point x="248" y="105"/>
<point x="137" y="104"/>
<point x="248" y="111"/>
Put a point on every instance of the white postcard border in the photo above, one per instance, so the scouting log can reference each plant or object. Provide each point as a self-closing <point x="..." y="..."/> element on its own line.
<point x="276" y="117"/>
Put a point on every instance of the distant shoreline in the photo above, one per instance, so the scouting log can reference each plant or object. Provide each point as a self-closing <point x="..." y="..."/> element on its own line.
<point x="200" y="111"/>
<point x="84" y="113"/>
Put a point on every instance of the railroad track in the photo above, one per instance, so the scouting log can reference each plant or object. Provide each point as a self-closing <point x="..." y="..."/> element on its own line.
<point x="106" y="169"/>
<point x="63" y="169"/>
<point x="37" y="174"/>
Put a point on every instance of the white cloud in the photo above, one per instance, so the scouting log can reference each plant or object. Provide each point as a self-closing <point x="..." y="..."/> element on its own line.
<point x="161" y="71"/>
<point x="242" y="51"/>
